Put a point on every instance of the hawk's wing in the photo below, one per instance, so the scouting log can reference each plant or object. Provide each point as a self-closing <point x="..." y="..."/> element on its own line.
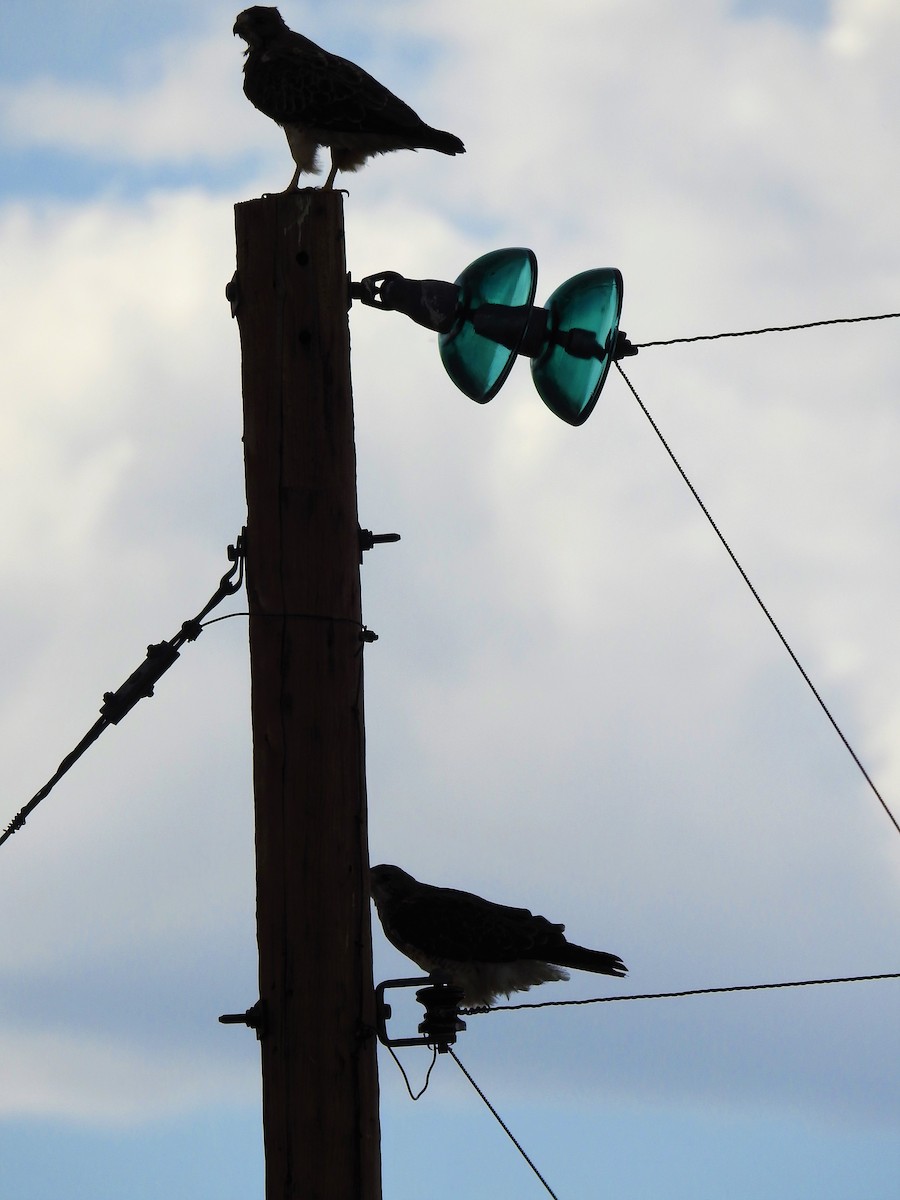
<point x="294" y="81"/>
<point x="455" y="925"/>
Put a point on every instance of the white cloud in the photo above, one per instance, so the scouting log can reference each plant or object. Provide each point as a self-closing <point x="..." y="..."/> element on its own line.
<point x="95" y="1080"/>
<point x="113" y="339"/>
<point x="864" y="29"/>
<point x="179" y="102"/>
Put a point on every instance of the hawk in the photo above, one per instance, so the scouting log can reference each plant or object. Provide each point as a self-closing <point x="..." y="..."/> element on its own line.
<point x="484" y="948"/>
<point x="320" y="99"/>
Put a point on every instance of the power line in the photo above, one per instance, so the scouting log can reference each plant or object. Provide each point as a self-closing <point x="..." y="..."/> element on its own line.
<point x="713" y="337"/>
<point x="756" y="596"/>
<point x="711" y="991"/>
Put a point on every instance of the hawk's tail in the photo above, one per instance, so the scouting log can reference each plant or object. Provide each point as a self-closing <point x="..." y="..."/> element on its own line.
<point x="583" y="959"/>
<point x="438" y="139"/>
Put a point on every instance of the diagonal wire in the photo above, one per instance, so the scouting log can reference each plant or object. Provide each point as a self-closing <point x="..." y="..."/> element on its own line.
<point x="140" y="682"/>
<point x="502" y="1123"/>
<point x="756" y="596"/>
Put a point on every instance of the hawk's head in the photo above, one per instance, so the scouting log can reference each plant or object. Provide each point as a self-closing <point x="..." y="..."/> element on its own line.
<point x="389" y="883"/>
<point x="258" y="25"/>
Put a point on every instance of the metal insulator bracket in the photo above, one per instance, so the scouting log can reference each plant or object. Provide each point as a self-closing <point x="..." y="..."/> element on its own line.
<point x="441" y="1001"/>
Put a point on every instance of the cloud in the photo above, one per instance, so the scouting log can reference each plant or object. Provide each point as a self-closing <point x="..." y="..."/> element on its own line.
<point x="178" y="102"/>
<point x="45" y="1074"/>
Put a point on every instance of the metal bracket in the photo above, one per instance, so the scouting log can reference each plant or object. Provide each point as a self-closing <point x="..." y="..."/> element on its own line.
<point x="368" y="540"/>
<point x="254" y="1018"/>
<point x="440" y="1000"/>
<point x="233" y="293"/>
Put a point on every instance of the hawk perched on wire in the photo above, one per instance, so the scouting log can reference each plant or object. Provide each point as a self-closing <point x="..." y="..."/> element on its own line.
<point x="484" y="948"/>
<point x="320" y="99"/>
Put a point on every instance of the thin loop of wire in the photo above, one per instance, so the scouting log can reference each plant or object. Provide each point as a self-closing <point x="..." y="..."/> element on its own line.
<point x="297" y="616"/>
<point x="713" y="991"/>
<point x="756" y="596"/>
<point x="225" y="617"/>
<point x="501" y="1123"/>
<point x="713" y="337"/>
<point x="417" y="1095"/>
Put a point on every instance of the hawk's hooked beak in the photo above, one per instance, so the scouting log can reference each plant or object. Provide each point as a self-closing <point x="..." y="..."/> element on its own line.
<point x="238" y="31"/>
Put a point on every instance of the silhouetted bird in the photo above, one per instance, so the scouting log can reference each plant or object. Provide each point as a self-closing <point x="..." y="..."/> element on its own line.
<point x="486" y="949"/>
<point x="320" y="99"/>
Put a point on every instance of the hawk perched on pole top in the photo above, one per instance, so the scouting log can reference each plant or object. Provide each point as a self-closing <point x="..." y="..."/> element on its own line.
<point x="486" y="949"/>
<point x="320" y="99"/>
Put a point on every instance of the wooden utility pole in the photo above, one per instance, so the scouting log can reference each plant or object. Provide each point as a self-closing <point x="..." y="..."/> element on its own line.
<point x="319" y="1074"/>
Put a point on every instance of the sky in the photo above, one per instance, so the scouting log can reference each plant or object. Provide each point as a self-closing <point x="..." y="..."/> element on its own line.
<point x="574" y="703"/>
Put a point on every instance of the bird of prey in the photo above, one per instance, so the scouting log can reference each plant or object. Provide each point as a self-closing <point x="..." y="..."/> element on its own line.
<point x="320" y="99"/>
<point x="484" y="948"/>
